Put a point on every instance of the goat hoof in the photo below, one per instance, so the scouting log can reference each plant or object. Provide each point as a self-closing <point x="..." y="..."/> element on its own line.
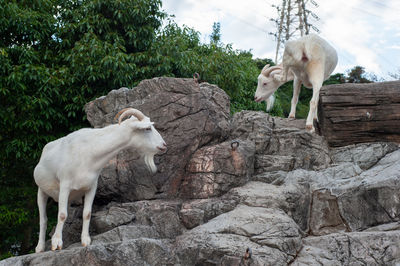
<point x="39" y="248"/>
<point x="86" y="241"/>
<point x="291" y="117"/>
<point x="310" y="128"/>
<point x="56" y="243"/>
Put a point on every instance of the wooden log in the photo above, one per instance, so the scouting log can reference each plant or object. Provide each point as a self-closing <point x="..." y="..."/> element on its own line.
<point x="355" y="113"/>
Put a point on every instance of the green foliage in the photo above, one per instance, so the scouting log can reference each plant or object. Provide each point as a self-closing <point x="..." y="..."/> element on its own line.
<point x="335" y="79"/>
<point x="56" y="55"/>
<point x="358" y="75"/>
<point x="26" y="28"/>
<point x="215" y="37"/>
<point x="234" y="71"/>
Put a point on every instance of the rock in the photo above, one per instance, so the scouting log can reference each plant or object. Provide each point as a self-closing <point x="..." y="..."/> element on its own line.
<point x="345" y="198"/>
<point x="141" y="251"/>
<point x="373" y="248"/>
<point x="293" y="199"/>
<point x="162" y="215"/>
<point x="281" y="144"/>
<point x="372" y="197"/>
<point x="282" y="194"/>
<point x="192" y="217"/>
<point x="197" y="212"/>
<point x="186" y="114"/>
<point x="272" y="236"/>
<point x="126" y="232"/>
<point x="325" y="216"/>
<point x="384" y="227"/>
<point x="104" y="221"/>
<point x="364" y="155"/>
<point x="213" y="170"/>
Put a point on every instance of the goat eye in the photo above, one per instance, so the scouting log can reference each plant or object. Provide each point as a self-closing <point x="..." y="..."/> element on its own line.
<point x="148" y="128"/>
<point x="265" y="84"/>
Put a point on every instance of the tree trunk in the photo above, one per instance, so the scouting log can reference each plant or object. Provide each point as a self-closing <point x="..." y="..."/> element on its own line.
<point x="355" y="113"/>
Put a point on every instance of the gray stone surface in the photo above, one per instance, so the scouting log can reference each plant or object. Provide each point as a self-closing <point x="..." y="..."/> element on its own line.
<point x="281" y="144"/>
<point x="282" y="193"/>
<point x="213" y="170"/>
<point x="270" y="233"/>
<point x="188" y="116"/>
<point x="197" y="212"/>
<point x="104" y="221"/>
<point x="293" y="199"/>
<point x="360" y="248"/>
<point x="137" y="252"/>
<point x="364" y="155"/>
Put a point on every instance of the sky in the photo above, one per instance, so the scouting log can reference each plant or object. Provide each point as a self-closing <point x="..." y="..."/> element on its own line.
<point x="364" y="32"/>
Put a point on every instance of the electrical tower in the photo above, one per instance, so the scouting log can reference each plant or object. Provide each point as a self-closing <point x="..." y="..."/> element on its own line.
<point x="293" y="21"/>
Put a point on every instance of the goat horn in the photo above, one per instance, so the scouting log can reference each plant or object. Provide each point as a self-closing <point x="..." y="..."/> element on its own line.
<point x="127" y="112"/>
<point x="269" y="70"/>
<point x="265" y="68"/>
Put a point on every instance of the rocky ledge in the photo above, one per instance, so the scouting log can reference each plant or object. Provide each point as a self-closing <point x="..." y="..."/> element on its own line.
<point x="244" y="190"/>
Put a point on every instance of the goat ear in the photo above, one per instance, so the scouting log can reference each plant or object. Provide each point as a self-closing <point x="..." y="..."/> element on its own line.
<point x="278" y="77"/>
<point x="141" y="125"/>
<point x="275" y="72"/>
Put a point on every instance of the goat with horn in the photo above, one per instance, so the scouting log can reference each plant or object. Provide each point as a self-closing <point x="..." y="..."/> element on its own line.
<point x="310" y="61"/>
<point x="69" y="167"/>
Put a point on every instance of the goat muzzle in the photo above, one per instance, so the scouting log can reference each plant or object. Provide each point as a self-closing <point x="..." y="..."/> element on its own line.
<point x="163" y="148"/>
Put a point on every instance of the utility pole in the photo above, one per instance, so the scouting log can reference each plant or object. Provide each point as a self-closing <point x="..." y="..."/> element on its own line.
<point x="288" y="20"/>
<point x="280" y="28"/>
<point x="301" y="18"/>
<point x="292" y="21"/>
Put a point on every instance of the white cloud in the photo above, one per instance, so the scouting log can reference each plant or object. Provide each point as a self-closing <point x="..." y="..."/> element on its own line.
<point x="364" y="33"/>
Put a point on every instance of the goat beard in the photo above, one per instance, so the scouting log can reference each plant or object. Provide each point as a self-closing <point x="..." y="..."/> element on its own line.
<point x="149" y="160"/>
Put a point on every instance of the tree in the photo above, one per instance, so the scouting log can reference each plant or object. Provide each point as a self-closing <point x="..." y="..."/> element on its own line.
<point x="215" y="37"/>
<point x="26" y="51"/>
<point x="358" y="75"/>
<point x="232" y="70"/>
<point x="56" y="55"/>
<point x="395" y="75"/>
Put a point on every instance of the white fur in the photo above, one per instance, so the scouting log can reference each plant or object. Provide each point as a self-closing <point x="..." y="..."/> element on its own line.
<point x="310" y="61"/>
<point x="69" y="168"/>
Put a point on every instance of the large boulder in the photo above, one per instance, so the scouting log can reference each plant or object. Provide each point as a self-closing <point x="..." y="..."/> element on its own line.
<point x="272" y="236"/>
<point x="250" y="190"/>
<point x="345" y="198"/>
<point x="186" y="114"/>
<point x="281" y="144"/>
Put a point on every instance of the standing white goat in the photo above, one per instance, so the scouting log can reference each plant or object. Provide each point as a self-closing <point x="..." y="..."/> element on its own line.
<point x="310" y="61"/>
<point x="70" y="166"/>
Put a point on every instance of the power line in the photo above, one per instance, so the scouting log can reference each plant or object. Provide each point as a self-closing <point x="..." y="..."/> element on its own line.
<point x="243" y="21"/>
<point x="293" y="20"/>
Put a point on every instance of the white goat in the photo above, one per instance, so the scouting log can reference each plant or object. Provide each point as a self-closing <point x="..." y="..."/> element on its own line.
<point x="70" y="166"/>
<point x="310" y="61"/>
